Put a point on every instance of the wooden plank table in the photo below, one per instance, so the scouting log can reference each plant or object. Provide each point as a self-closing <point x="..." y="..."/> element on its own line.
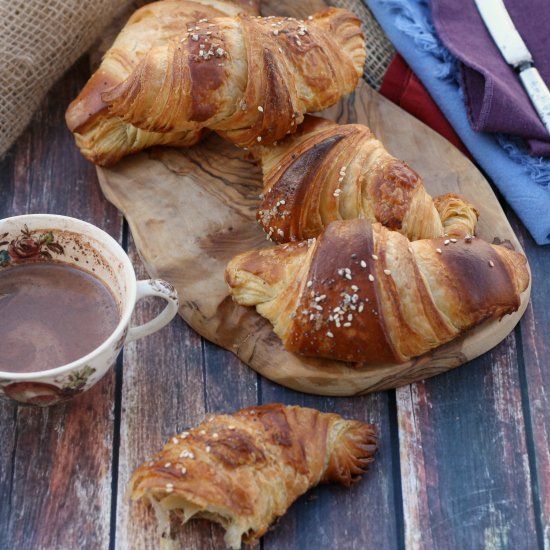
<point x="464" y="459"/>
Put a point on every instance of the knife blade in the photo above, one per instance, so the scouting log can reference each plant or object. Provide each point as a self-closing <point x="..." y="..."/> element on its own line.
<point x="517" y="55"/>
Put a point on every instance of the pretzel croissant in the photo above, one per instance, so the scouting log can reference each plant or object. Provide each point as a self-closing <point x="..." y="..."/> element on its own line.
<point x="244" y="470"/>
<point x="363" y="293"/>
<point x="104" y="138"/>
<point x="250" y="79"/>
<point x="327" y="172"/>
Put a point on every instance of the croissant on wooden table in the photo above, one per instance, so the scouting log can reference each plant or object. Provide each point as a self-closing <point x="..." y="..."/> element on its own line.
<point x="104" y="138"/>
<point x="327" y="172"/>
<point x="363" y="293"/>
<point x="244" y="470"/>
<point x="251" y="79"/>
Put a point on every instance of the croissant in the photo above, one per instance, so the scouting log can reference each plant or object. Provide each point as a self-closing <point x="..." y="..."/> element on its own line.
<point x="103" y="138"/>
<point x="327" y="172"/>
<point x="250" y="79"/>
<point x="363" y="293"/>
<point x="244" y="470"/>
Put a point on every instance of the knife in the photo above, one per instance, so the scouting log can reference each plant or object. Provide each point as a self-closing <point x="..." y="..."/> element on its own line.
<point x="515" y="52"/>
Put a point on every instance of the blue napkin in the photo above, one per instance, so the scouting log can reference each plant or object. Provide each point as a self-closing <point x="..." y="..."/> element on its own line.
<point x="523" y="180"/>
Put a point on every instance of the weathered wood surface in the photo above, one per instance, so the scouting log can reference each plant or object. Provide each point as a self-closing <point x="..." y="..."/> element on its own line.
<point x="55" y="470"/>
<point x="161" y="193"/>
<point x="464" y="460"/>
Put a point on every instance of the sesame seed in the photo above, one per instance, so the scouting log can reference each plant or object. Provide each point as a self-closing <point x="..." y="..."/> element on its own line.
<point x="175" y="440"/>
<point x="194" y="37"/>
<point x="298" y="41"/>
<point x="337" y="192"/>
<point x="347" y="325"/>
<point x="183" y="435"/>
<point x="453" y="240"/>
<point x="438" y="250"/>
<point x="187" y="454"/>
<point x="169" y="487"/>
<point x="202" y="432"/>
<point x="259" y="138"/>
<point x="374" y="256"/>
<point x="348" y="277"/>
<point x="275" y="32"/>
<point x="363" y="263"/>
<point x="446" y="242"/>
<point x="208" y="448"/>
<point x="371" y="278"/>
<point x="491" y="263"/>
<point x="215" y="435"/>
<point x="310" y="17"/>
<point x="168" y="464"/>
<point x="330" y="335"/>
<point x="354" y="288"/>
<point x="387" y="271"/>
<point x="309" y="284"/>
<point x="260" y="108"/>
<point x="468" y="238"/>
<point x="183" y="470"/>
<point x="410" y="250"/>
<point x="230" y="427"/>
<point x="360" y="308"/>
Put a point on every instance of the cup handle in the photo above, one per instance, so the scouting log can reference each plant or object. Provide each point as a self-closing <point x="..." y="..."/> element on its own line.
<point x="161" y="289"/>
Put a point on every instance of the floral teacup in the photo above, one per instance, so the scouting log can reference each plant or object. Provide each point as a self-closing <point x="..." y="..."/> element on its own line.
<point x="49" y="238"/>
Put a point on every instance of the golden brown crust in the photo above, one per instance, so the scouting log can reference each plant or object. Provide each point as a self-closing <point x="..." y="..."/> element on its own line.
<point x="459" y="217"/>
<point x="244" y="470"/>
<point x="104" y="139"/>
<point x="365" y="294"/>
<point x="327" y="172"/>
<point x="250" y="79"/>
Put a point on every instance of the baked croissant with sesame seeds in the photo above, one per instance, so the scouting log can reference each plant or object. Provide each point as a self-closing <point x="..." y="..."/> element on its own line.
<point x="244" y="470"/>
<point x="327" y="172"/>
<point x="251" y="79"/>
<point x="104" y="138"/>
<point x="363" y="293"/>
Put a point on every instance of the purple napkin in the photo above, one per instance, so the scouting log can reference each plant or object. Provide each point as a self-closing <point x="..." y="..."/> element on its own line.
<point x="495" y="99"/>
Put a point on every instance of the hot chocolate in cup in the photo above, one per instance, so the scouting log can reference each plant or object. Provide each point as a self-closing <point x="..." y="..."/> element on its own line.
<point x="44" y="241"/>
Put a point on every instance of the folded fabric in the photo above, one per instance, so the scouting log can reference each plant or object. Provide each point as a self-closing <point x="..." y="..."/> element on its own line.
<point x="402" y="86"/>
<point x="495" y="99"/>
<point x="524" y="181"/>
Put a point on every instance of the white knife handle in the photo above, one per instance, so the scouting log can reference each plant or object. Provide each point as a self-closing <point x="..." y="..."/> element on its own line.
<point x="538" y="93"/>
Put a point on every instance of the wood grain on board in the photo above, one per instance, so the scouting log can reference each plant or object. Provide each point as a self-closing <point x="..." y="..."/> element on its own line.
<point x="55" y="474"/>
<point x="191" y="211"/>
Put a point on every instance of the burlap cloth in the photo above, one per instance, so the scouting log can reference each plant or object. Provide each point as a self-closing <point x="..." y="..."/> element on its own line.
<point x="41" y="39"/>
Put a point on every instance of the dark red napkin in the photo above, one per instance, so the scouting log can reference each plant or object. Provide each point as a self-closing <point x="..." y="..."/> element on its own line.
<point x="495" y="99"/>
<point x="402" y="86"/>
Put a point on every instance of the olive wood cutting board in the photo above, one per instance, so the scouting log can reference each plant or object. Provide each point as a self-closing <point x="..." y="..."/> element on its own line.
<point x="190" y="211"/>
